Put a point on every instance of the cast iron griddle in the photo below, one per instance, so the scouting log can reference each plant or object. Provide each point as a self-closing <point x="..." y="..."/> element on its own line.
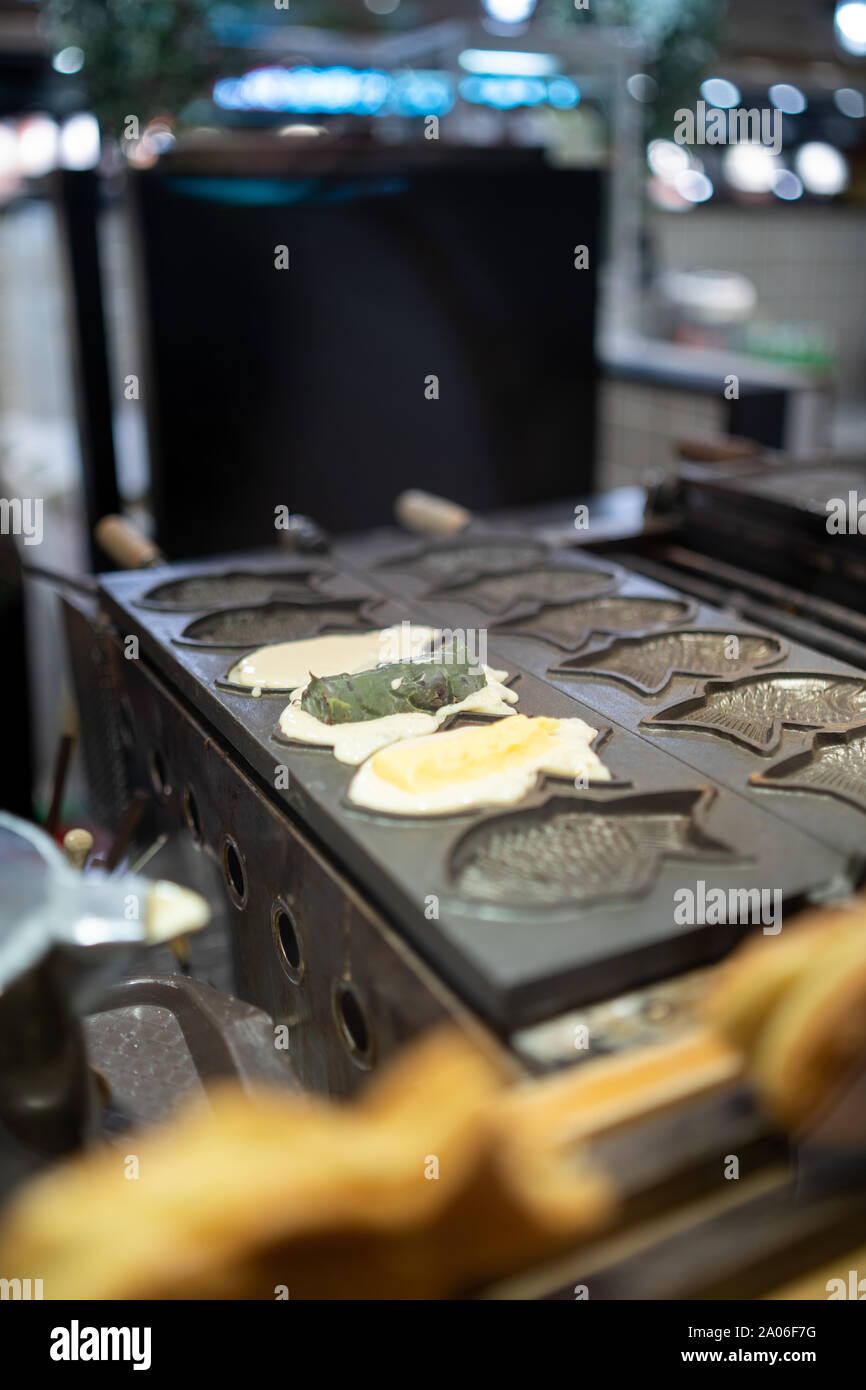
<point x="797" y="494"/>
<point x="806" y="487"/>
<point x="522" y="944"/>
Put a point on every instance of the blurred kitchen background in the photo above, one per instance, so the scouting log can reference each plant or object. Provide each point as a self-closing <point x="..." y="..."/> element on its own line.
<point x="431" y="166"/>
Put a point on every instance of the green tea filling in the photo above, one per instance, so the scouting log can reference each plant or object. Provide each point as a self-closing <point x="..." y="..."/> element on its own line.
<point x="399" y="688"/>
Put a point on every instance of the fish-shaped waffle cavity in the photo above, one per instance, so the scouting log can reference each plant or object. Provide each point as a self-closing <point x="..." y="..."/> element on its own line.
<point x="570" y="625"/>
<point x="273" y="622"/>
<point x="650" y="663"/>
<point x="554" y="585"/>
<point x="566" y="852"/>
<point x="465" y="560"/>
<point x="238" y="586"/>
<point x="754" y="710"/>
<point x="834" y="766"/>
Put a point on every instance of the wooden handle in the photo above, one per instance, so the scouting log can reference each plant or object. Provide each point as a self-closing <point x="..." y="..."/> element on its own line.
<point x="610" y="1092"/>
<point x="717" y="448"/>
<point x="125" y="546"/>
<point x="430" y="515"/>
<point x="77" y="844"/>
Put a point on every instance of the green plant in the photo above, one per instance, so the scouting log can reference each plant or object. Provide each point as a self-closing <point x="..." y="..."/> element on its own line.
<point x="681" y="34"/>
<point x="141" y="57"/>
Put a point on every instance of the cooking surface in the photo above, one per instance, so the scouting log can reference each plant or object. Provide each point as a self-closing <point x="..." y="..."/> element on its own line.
<point x="783" y="517"/>
<point x="681" y="807"/>
<point x="808" y="487"/>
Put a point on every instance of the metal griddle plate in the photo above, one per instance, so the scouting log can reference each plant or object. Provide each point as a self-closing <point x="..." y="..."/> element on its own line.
<point x="793" y="493"/>
<point x="681" y="809"/>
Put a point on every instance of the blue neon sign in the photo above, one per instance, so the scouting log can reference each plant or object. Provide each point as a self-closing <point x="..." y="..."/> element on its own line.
<point x="374" y="92"/>
<point x="337" y="90"/>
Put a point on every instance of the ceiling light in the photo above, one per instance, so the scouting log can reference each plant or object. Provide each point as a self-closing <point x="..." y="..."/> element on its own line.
<point x="823" y="168"/>
<point x="506" y="61"/>
<point x="850" y="102"/>
<point x="693" y="186"/>
<point x="68" y="60"/>
<point x="787" y="186"/>
<point x="509" y="11"/>
<point x="790" y="100"/>
<point x="718" y="91"/>
<point x="750" y="167"/>
<point x="850" y="26"/>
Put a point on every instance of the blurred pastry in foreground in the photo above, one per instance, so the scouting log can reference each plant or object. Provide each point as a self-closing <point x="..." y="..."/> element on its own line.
<point x="795" y="1004"/>
<point x="419" y="1190"/>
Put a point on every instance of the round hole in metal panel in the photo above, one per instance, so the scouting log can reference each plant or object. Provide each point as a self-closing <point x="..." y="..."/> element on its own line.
<point x="352" y="1023"/>
<point x="287" y="941"/>
<point x="158" y="774"/>
<point x="191" y="814"/>
<point x="234" y="871"/>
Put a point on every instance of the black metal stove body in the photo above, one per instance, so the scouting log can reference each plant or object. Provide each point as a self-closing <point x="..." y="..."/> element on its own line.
<point x="343" y="988"/>
<point x="358" y="930"/>
<point x="735" y="771"/>
<point x="783" y="540"/>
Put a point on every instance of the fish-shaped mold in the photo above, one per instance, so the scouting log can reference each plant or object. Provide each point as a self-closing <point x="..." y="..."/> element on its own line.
<point x="567" y="851"/>
<point x="570" y="625"/>
<point x="834" y="765"/>
<point x="237" y="586"/>
<point x="649" y="664"/>
<point x="459" y="561"/>
<point x="498" y="593"/>
<point x="273" y="622"/>
<point x="754" y="710"/>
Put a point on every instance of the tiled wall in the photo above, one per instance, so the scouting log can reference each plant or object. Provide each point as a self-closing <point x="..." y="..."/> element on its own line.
<point x="638" y="423"/>
<point x="807" y="264"/>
